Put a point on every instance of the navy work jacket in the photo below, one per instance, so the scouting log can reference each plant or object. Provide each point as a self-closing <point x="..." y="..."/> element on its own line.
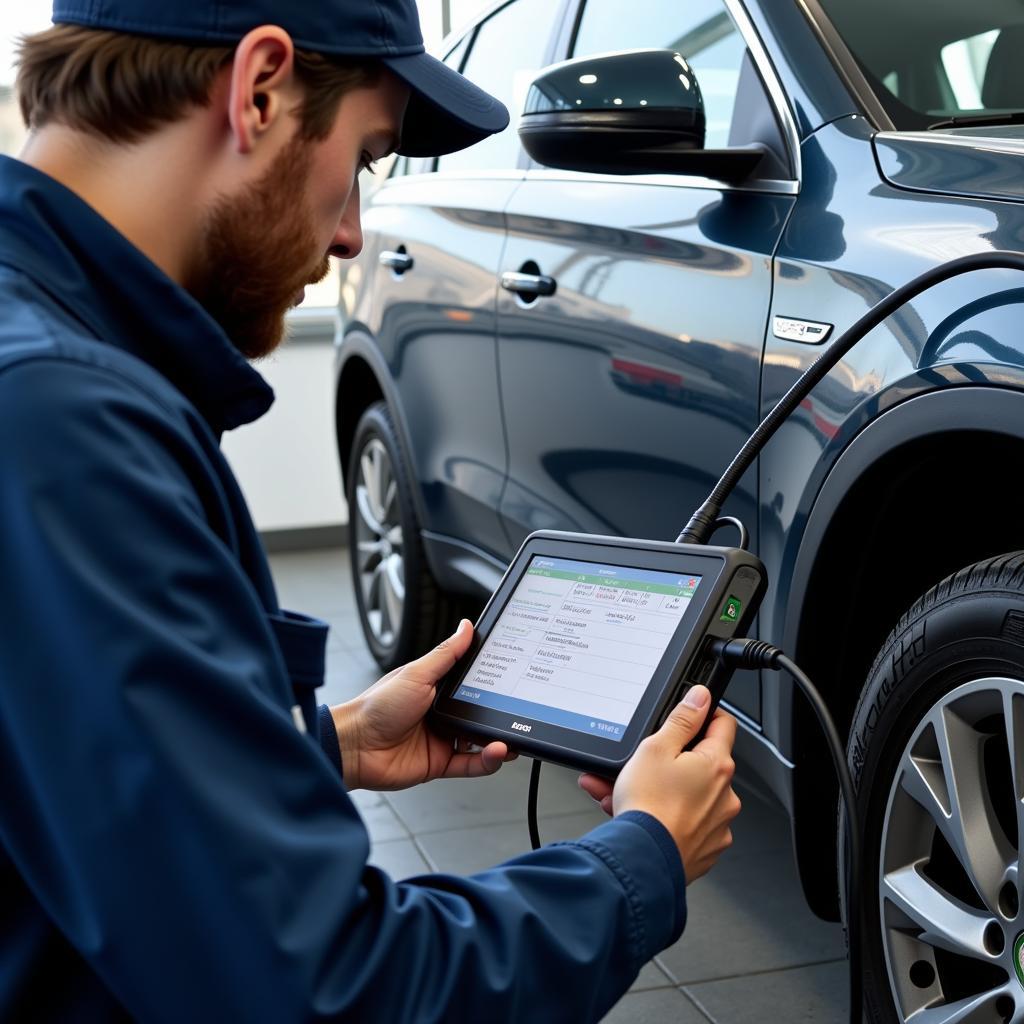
<point x="174" y="843"/>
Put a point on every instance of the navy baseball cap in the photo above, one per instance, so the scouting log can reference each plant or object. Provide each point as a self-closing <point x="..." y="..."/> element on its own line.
<point x="446" y="111"/>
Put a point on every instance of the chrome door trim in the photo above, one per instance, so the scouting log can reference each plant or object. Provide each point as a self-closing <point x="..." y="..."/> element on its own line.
<point x="776" y="94"/>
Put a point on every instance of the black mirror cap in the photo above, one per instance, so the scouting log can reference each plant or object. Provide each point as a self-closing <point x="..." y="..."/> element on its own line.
<point x="634" y="112"/>
<point x="647" y="81"/>
<point x="642" y="101"/>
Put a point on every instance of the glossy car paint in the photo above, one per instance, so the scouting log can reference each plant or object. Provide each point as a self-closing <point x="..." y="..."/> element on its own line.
<point x="622" y="397"/>
<point x="435" y="325"/>
<point x="627" y="391"/>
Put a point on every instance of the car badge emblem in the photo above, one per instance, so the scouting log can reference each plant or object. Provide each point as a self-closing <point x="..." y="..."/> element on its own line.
<point x="809" y="332"/>
<point x="1018" y="957"/>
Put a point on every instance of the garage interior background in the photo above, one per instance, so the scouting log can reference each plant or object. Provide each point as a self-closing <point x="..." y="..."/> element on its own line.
<point x="287" y="461"/>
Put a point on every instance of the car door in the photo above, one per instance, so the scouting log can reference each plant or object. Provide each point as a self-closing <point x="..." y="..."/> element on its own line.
<point x="627" y="392"/>
<point x="437" y="231"/>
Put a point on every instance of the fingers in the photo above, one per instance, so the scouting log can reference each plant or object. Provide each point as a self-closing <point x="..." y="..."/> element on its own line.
<point x="720" y="737"/>
<point x="686" y="718"/>
<point x="478" y="764"/>
<point x="436" y="663"/>
<point x="595" y="787"/>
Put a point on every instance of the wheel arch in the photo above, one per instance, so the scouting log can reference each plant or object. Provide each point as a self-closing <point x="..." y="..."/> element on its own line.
<point x="362" y="379"/>
<point x="900" y="487"/>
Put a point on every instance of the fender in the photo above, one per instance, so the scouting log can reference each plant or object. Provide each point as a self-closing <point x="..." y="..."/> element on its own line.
<point x="960" y="408"/>
<point x="356" y="343"/>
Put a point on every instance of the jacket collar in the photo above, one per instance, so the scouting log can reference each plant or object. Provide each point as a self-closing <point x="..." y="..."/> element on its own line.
<point x="122" y="297"/>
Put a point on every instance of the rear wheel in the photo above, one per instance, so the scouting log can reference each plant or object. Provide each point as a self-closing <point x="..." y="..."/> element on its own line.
<point x="937" y="748"/>
<point x="401" y="609"/>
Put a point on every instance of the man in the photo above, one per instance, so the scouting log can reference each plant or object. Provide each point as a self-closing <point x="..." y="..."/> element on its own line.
<point x="176" y="841"/>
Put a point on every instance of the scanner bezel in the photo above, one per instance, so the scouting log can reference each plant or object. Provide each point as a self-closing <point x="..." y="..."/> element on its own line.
<point x="684" y="656"/>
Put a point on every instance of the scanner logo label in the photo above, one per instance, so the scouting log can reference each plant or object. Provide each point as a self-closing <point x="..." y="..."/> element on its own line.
<point x="521" y="727"/>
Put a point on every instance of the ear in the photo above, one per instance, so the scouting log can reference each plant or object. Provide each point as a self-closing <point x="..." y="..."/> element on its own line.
<point x="261" y="83"/>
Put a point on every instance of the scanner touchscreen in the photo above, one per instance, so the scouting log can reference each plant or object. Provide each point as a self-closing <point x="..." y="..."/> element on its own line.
<point x="577" y="644"/>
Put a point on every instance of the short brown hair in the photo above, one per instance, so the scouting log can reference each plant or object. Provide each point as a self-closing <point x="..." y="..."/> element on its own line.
<point x="123" y="86"/>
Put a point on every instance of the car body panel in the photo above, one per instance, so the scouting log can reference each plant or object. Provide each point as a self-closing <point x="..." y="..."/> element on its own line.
<point x="651" y="345"/>
<point x="436" y="330"/>
<point x="848" y="229"/>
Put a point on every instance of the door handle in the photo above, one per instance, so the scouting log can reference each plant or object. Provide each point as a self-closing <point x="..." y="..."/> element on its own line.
<point x="399" y="262"/>
<point x="528" y="284"/>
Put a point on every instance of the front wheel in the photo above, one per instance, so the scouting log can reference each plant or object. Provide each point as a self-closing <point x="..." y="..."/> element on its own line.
<point x="937" y="750"/>
<point x="402" y="612"/>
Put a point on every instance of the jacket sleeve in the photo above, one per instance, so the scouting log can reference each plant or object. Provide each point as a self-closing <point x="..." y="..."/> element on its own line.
<point x="197" y="850"/>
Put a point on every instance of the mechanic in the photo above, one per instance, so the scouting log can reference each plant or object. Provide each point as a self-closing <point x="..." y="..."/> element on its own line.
<point x="176" y="838"/>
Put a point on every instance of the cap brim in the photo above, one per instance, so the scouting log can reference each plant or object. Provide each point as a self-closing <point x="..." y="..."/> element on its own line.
<point x="446" y="112"/>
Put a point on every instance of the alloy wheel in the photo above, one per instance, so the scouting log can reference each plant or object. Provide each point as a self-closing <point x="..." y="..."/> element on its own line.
<point x="948" y="880"/>
<point x="380" y="550"/>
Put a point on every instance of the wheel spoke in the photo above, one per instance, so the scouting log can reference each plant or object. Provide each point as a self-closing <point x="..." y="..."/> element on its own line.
<point x="980" y="1007"/>
<point x="366" y="513"/>
<point x="1013" y="712"/>
<point x="972" y="828"/>
<point x="944" y="921"/>
<point x="393" y="590"/>
<point x="369" y="464"/>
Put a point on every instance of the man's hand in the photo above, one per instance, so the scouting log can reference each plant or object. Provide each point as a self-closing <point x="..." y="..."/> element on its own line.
<point x="384" y="741"/>
<point x="689" y="792"/>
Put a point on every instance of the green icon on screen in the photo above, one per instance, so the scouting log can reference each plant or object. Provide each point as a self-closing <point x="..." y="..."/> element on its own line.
<point x="731" y="611"/>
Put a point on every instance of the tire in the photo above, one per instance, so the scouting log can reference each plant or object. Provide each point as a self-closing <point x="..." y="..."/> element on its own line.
<point x="939" y="724"/>
<point x="402" y="612"/>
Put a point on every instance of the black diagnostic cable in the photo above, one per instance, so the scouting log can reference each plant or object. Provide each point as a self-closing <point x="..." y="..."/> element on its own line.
<point x="531" y="806"/>
<point x="756" y="654"/>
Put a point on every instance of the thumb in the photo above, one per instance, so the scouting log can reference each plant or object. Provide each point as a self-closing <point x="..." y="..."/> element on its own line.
<point x="436" y="663"/>
<point x="686" y="718"/>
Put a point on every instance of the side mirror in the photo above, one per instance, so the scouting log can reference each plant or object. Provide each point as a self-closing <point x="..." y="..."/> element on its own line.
<point x="635" y="112"/>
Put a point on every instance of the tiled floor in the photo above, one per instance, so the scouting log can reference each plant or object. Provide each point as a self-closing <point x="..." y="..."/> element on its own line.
<point x="751" y="952"/>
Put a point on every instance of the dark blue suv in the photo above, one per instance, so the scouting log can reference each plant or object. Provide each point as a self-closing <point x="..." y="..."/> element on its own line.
<point x="527" y="347"/>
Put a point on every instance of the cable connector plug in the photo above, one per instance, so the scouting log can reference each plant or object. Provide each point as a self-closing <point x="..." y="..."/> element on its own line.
<point x="747" y="653"/>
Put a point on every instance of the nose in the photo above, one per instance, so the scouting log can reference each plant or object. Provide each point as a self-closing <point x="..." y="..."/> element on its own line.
<point x="348" y="239"/>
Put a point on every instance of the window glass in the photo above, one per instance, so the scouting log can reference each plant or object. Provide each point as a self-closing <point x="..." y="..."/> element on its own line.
<point x="936" y="59"/>
<point x="701" y="30"/>
<point x="507" y="53"/>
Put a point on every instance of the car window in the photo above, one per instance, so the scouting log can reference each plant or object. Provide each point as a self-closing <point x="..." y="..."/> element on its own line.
<point x="936" y="59"/>
<point x="701" y="30"/>
<point x="508" y="50"/>
<point x="419" y="165"/>
<point x="458" y="53"/>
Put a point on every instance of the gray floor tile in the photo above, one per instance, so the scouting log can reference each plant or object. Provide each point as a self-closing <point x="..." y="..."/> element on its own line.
<point x="748" y="914"/>
<point x="464" y="803"/>
<point x="651" y="976"/>
<point x="805" y="995"/>
<point x="399" y="858"/>
<point x="346" y="631"/>
<point x="660" y="1006"/>
<point x="347" y="676"/>
<point x="314" y="582"/>
<point x="381" y="822"/>
<point x="465" y="851"/>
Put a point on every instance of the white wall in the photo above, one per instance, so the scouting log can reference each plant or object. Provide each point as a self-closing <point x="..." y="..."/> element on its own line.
<point x="287" y="461"/>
